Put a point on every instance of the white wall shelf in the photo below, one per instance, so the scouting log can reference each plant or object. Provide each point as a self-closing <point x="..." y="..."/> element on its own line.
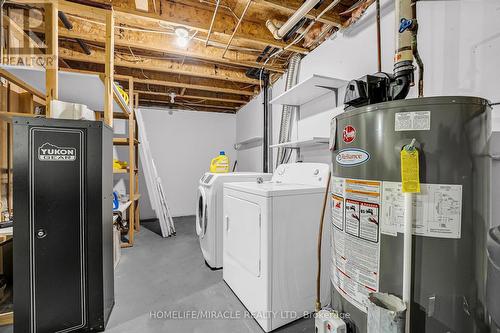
<point x="315" y="141"/>
<point x="249" y="143"/>
<point x="80" y="88"/>
<point x="309" y="89"/>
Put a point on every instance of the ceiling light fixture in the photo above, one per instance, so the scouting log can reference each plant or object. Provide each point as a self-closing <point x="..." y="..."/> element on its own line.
<point x="182" y="36"/>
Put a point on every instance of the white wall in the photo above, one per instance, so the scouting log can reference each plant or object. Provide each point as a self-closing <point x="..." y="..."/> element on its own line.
<point x="249" y="120"/>
<point x="183" y="144"/>
<point x="459" y="41"/>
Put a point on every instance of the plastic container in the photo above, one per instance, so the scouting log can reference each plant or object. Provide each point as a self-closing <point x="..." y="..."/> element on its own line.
<point x="64" y="110"/>
<point x="220" y="164"/>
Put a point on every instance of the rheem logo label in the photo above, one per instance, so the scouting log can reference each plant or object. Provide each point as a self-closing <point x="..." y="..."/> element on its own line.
<point x="349" y="134"/>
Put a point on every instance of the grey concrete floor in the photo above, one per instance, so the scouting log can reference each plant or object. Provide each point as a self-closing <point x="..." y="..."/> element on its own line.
<point x="160" y="275"/>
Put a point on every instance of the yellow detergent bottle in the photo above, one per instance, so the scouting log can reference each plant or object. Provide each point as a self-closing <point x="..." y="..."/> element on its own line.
<point x="220" y="164"/>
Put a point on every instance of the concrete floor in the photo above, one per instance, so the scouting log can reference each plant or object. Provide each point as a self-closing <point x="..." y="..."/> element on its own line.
<point x="170" y="275"/>
<point x="158" y="275"/>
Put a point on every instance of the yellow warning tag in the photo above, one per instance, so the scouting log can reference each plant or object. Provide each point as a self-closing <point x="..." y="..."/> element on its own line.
<point x="409" y="171"/>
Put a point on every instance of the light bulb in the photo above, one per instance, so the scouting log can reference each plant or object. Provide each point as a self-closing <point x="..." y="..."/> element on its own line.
<point x="181" y="32"/>
<point x="182" y="42"/>
<point x="182" y="36"/>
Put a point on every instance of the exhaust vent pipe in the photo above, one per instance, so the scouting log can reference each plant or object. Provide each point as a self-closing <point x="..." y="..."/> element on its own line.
<point x="280" y="32"/>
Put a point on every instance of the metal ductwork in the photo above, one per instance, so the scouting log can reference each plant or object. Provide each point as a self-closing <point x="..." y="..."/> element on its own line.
<point x="288" y="112"/>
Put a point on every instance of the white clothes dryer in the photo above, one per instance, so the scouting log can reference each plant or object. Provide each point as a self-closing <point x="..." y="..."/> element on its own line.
<point x="270" y="243"/>
<point x="209" y="211"/>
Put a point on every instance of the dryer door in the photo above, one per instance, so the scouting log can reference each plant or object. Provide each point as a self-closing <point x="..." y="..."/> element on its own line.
<point x="201" y="213"/>
<point x="242" y="227"/>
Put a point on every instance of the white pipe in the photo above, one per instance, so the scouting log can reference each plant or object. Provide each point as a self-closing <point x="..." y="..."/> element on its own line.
<point x="279" y="33"/>
<point x="407" y="249"/>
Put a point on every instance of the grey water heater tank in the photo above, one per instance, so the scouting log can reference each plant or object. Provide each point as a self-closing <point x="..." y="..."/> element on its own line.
<point x="452" y="210"/>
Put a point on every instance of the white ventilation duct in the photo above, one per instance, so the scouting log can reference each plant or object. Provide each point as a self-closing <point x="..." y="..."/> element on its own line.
<point x="280" y="32"/>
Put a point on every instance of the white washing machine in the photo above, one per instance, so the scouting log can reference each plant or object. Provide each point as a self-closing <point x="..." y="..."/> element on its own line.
<point x="209" y="211"/>
<point x="270" y="243"/>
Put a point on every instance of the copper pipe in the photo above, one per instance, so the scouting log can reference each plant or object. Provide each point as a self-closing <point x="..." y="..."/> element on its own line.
<point x="320" y="240"/>
<point x="212" y="23"/>
<point x="237" y="26"/>
<point x="416" y="54"/>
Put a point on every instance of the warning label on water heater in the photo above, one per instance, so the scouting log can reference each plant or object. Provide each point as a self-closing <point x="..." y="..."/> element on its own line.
<point x="412" y="121"/>
<point x="438" y="210"/>
<point x="355" y="238"/>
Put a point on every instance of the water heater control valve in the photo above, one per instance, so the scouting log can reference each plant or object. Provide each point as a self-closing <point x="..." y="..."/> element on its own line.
<point x="328" y="321"/>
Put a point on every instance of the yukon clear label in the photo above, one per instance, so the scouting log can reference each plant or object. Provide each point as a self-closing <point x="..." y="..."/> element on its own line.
<point x="352" y="157"/>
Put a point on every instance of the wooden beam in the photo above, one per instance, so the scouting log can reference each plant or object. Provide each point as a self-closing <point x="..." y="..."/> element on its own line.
<point x="89" y="8"/>
<point x="218" y="99"/>
<point x="52" y="65"/>
<point x="196" y="18"/>
<point x="290" y="7"/>
<point x="6" y="318"/>
<point x="165" y="43"/>
<point x="160" y="80"/>
<point x="209" y="106"/>
<point x="166" y="83"/>
<point x="202" y="108"/>
<point x="109" y="70"/>
<point x="136" y="101"/>
<point x="14" y="79"/>
<point x="131" y="93"/>
<point x="162" y="65"/>
<point x="7" y="116"/>
<point x="16" y="30"/>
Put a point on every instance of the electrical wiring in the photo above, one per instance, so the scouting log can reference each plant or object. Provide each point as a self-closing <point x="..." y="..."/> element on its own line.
<point x="162" y="32"/>
<point x="221" y="6"/>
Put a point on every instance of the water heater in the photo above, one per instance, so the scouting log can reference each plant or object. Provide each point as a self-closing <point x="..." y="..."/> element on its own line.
<point x="452" y="211"/>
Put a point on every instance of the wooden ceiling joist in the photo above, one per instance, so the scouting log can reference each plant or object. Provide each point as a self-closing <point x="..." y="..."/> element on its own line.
<point x="196" y="107"/>
<point x="160" y="65"/>
<point x="158" y="80"/>
<point x="208" y="74"/>
<point x="165" y="43"/>
<point x="188" y="86"/>
<point x="182" y="100"/>
<point x="290" y="6"/>
<point x="199" y="19"/>
<point x="219" y="99"/>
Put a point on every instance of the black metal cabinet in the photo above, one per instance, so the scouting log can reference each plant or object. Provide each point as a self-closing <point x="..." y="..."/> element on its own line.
<point x="63" y="244"/>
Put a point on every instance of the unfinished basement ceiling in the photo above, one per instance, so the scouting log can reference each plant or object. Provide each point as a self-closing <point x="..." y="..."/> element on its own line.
<point x="224" y="39"/>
